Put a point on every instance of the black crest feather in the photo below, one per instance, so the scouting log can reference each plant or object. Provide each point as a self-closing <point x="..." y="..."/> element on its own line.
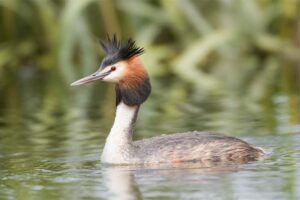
<point x="117" y="50"/>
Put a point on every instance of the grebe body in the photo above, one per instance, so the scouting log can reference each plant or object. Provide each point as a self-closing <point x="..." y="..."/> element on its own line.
<point x="122" y="66"/>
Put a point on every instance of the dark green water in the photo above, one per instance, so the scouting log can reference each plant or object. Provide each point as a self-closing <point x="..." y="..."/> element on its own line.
<point x="51" y="138"/>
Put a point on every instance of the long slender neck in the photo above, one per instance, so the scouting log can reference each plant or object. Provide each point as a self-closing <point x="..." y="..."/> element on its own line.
<point x="119" y="141"/>
<point x="131" y="92"/>
<point x="125" y="119"/>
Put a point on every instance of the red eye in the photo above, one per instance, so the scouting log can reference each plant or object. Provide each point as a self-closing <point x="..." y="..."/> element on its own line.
<point x="113" y="68"/>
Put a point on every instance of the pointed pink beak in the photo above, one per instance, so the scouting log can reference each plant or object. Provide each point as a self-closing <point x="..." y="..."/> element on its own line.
<point x="91" y="78"/>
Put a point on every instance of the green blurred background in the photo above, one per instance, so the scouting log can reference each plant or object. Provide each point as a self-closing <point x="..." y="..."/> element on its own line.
<point x="246" y="51"/>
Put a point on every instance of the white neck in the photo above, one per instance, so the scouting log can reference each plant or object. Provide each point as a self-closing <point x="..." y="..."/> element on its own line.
<point x="119" y="141"/>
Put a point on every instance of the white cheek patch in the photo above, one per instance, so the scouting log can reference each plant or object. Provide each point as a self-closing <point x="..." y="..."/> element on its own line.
<point x="116" y="75"/>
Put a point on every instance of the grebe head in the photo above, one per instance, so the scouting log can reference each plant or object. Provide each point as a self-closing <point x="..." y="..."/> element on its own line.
<point x="123" y="67"/>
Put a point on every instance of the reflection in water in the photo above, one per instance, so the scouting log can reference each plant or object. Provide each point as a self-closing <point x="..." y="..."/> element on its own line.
<point x="120" y="184"/>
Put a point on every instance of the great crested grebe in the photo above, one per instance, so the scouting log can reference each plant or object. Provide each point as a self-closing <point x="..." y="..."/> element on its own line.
<point x="123" y="67"/>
